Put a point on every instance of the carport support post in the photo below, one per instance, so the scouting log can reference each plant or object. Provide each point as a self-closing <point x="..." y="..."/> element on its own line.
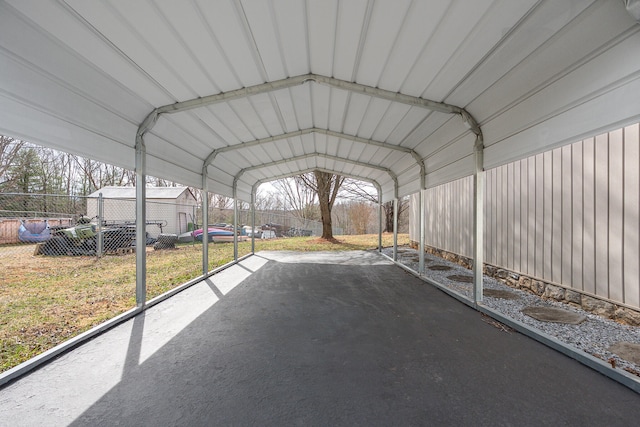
<point x="380" y="221"/>
<point x="421" y="243"/>
<point x="478" y="223"/>
<point x="395" y="229"/>
<point x="141" y="215"/>
<point x="235" y="226"/>
<point x="205" y="230"/>
<point x="100" y="247"/>
<point x="253" y="222"/>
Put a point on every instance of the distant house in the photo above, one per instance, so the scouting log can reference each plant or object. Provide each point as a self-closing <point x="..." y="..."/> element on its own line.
<point x="169" y="209"/>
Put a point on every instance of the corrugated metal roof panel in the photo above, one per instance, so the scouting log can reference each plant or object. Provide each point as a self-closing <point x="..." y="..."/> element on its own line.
<point x="82" y="76"/>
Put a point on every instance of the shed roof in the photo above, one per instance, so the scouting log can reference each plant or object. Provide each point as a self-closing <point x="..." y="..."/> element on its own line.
<point x="241" y="91"/>
<point x="114" y="192"/>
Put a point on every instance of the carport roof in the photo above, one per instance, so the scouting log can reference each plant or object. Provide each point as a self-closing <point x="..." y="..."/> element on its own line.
<point x="241" y="91"/>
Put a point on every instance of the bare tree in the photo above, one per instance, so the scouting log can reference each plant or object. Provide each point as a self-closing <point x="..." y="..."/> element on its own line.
<point x="9" y="150"/>
<point x="360" y="214"/>
<point x="265" y="200"/>
<point x="299" y="199"/>
<point x="358" y="190"/>
<point x="326" y="186"/>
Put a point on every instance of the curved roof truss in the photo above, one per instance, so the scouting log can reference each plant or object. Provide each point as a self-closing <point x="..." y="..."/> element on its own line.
<point x="415" y="101"/>
<point x="351" y="87"/>
<point x="388" y="171"/>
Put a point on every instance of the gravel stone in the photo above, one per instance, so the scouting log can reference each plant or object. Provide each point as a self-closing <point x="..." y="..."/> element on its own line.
<point x="594" y="336"/>
<point x="500" y="293"/>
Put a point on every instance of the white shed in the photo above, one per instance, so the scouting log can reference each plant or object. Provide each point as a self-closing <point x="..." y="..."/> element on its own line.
<point x="169" y="209"/>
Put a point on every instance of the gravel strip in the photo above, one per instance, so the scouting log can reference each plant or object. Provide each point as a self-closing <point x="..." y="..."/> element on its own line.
<point x="593" y="336"/>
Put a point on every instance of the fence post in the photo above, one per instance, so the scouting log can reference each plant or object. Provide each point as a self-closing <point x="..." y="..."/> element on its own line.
<point x="100" y="246"/>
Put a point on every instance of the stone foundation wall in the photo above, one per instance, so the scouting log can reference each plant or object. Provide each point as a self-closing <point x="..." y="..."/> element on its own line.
<point x="544" y="289"/>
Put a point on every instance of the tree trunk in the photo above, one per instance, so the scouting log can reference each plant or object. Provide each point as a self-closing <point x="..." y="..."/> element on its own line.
<point x="327" y="186"/>
<point x="327" y="227"/>
<point x="388" y="217"/>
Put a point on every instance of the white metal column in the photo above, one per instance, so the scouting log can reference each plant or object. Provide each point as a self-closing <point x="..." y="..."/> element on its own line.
<point x="253" y="222"/>
<point x="478" y="222"/>
<point x="100" y="243"/>
<point x="141" y="221"/>
<point x="205" y="229"/>
<point x="379" y="221"/>
<point x="235" y="226"/>
<point x="395" y="229"/>
<point x="421" y="244"/>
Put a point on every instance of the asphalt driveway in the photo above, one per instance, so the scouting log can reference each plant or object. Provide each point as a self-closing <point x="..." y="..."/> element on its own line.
<point x="314" y="339"/>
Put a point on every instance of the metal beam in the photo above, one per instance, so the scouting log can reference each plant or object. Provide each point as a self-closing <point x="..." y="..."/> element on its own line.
<point x="141" y="215"/>
<point x="205" y="224"/>
<point x="421" y="240"/>
<point x="380" y="221"/>
<point x="478" y="221"/>
<point x="253" y="222"/>
<point x="385" y="94"/>
<point x="267" y="87"/>
<point x="315" y="130"/>
<point x="395" y="229"/>
<point x="235" y="224"/>
<point x="306" y="156"/>
<point x="261" y="141"/>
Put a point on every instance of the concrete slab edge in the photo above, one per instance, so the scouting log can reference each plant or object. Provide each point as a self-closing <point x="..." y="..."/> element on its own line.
<point x="35" y="362"/>
<point x="448" y="291"/>
<point x="625" y="378"/>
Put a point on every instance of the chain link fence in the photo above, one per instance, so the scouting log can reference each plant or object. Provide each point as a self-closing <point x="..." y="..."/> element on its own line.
<point x="269" y="223"/>
<point x="54" y="225"/>
<point x="88" y="226"/>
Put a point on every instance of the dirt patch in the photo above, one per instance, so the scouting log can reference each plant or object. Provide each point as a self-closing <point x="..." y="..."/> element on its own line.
<point x="322" y="241"/>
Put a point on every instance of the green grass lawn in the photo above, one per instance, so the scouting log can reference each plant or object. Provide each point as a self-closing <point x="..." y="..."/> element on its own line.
<point x="47" y="300"/>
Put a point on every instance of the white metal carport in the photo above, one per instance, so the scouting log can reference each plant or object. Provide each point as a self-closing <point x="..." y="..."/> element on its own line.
<point x="227" y="94"/>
